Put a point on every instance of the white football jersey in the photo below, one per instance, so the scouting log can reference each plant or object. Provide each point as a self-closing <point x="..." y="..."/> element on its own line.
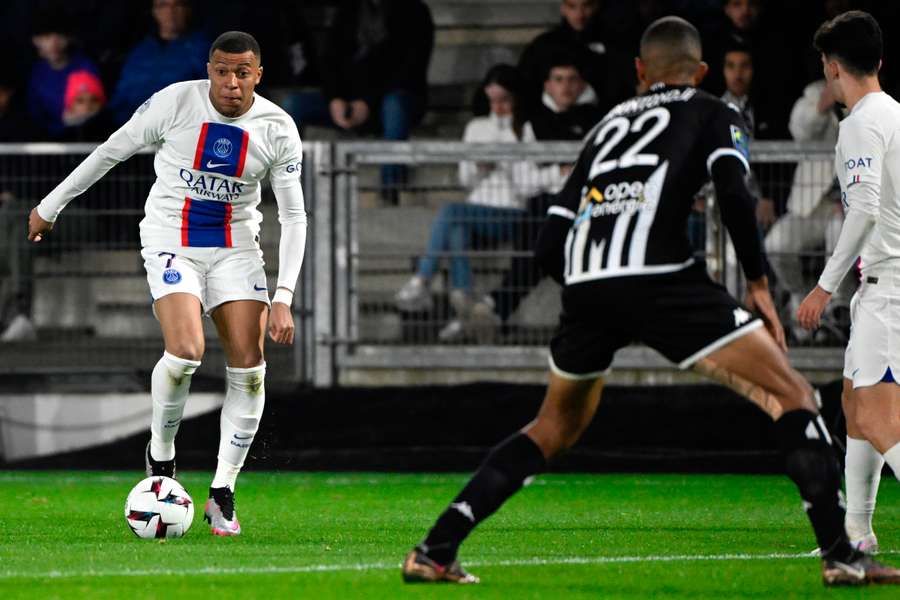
<point x="209" y="167"/>
<point x="868" y="152"/>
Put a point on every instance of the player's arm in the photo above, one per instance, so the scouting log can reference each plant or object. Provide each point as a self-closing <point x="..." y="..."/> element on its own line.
<point x="285" y="179"/>
<point x="725" y="145"/>
<point x="865" y="143"/>
<point x="142" y="129"/>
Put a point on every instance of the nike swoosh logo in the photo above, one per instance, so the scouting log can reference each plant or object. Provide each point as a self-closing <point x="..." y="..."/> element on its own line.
<point x="259" y="289"/>
<point x="246" y="437"/>
<point x="211" y="165"/>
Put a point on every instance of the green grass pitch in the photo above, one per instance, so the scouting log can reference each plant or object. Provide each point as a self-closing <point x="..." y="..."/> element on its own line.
<point x="62" y="535"/>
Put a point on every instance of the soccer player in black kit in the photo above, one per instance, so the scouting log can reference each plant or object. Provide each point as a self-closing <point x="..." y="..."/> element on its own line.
<point x="617" y="242"/>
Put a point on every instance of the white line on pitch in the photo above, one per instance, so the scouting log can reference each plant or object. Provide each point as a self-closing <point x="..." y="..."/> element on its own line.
<point x="380" y="566"/>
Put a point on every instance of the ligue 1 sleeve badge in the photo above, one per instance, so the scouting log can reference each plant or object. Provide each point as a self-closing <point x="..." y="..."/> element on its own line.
<point x="171" y="276"/>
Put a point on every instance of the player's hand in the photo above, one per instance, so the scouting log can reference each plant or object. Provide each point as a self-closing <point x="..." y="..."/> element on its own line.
<point x="809" y="315"/>
<point x="359" y="113"/>
<point x="37" y="227"/>
<point x="760" y="300"/>
<point x="281" y="324"/>
<point x="338" y="109"/>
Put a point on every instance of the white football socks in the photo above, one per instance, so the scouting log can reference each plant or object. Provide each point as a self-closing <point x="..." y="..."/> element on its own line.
<point x="863" y="474"/>
<point x="241" y="412"/>
<point x="892" y="458"/>
<point x="169" y="386"/>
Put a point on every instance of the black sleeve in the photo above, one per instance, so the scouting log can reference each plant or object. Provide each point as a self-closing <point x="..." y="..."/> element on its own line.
<point x="738" y="209"/>
<point x="549" y="248"/>
<point x="724" y="145"/>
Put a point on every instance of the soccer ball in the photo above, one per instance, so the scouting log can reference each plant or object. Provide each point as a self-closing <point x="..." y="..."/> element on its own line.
<point x="158" y="507"/>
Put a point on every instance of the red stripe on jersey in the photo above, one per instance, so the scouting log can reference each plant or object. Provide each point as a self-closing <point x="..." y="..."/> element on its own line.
<point x="198" y="155"/>
<point x="185" y="215"/>
<point x="228" y="223"/>
<point x="245" y="141"/>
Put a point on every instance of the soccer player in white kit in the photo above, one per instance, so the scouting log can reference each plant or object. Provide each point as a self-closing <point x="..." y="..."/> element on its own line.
<point x="215" y="141"/>
<point x="867" y="165"/>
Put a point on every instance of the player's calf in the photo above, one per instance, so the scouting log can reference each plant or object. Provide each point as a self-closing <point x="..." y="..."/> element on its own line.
<point x="811" y="464"/>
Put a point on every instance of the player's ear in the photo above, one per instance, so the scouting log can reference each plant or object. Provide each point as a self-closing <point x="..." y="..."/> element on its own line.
<point x="259" y="72"/>
<point x="209" y="71"/>
<point x="700" y="73"/>
<point x="641" y="69"/>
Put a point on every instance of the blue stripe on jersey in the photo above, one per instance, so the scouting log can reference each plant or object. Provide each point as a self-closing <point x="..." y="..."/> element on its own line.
<point x="221" y="149"/>
<point x="206" y="224"/>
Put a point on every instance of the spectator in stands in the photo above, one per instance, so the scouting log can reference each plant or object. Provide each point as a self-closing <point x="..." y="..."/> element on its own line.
<point x="566" y="114"/>
<point x="15" y="293"/>
<point x="778" y="57"/>
<point x="15" y="124"/>
<point x="173" y="52"/>
<point x="494" y="203"/>
<point x="737" y="25"/>
<point x="608" y="70"/>
<point x="375" y="65"/>
<point x="82" y="114"/>
<point x="568" y="106"/>
<point x="815" y="215"/>
<point x="291" y="57"/>
<point x="59" y="64"/>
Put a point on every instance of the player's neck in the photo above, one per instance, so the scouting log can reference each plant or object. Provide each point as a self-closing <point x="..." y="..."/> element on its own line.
<point x="856" y="89"/>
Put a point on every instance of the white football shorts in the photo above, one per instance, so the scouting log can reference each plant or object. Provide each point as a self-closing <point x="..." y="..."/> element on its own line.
<point x="875" y="331"/>
<point x="214" y="275"/>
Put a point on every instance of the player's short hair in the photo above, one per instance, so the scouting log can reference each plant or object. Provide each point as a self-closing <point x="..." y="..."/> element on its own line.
<point x="236" y="42"/>
<point x="853" y="39"/>
<point x="672" y="45"/>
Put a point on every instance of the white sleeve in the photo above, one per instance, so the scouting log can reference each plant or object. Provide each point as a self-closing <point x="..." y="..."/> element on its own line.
<point x="854" y="234"/>
<point x="292" y="245"/>
<point x="145" y="127"/>
<point x="862" y="144"/>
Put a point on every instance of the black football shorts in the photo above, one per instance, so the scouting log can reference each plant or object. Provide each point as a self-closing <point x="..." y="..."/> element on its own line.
<point x="685" y="316"/>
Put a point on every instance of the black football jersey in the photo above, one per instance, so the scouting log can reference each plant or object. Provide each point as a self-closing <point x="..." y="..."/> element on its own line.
<point x="632" y="188"/>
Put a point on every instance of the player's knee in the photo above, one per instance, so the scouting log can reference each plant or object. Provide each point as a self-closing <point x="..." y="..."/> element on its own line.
<point x="867" y="421"/>
<point x="186" y="349"/>
<point x="246" y="360"/>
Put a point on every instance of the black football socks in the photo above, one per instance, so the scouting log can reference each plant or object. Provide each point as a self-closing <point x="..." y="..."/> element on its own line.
<point x="812" y="465"/>
<point x="501" y="475"/>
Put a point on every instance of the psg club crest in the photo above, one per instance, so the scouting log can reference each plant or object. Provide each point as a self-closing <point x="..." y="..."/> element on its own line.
<point x="171" y="276"/>
<point x="222" y="148"/>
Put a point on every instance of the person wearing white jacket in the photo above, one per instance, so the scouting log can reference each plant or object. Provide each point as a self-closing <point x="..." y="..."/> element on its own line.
<point x="493" y="207"/>
<point x="814" y="218"/>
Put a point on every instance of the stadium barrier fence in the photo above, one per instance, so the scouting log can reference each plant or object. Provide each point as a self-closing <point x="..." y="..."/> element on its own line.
<point x="85" y="290"/>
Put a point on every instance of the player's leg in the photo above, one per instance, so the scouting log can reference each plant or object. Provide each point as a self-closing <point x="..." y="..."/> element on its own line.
<point x="568" y="407"/>
<point x="177" y="286"/>
<point x="241" y="326"/>
<point x="804" y="440"/>
<point x="862" y="473"/>
<point x="877" y="416"/>
<point x="179" y="318"/>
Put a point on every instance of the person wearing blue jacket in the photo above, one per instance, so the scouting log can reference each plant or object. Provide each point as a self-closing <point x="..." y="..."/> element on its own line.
<point x="173" y="52"/>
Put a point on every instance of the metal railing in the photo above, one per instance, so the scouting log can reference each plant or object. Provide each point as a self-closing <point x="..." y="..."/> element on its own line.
<point x="85" y="290"/>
